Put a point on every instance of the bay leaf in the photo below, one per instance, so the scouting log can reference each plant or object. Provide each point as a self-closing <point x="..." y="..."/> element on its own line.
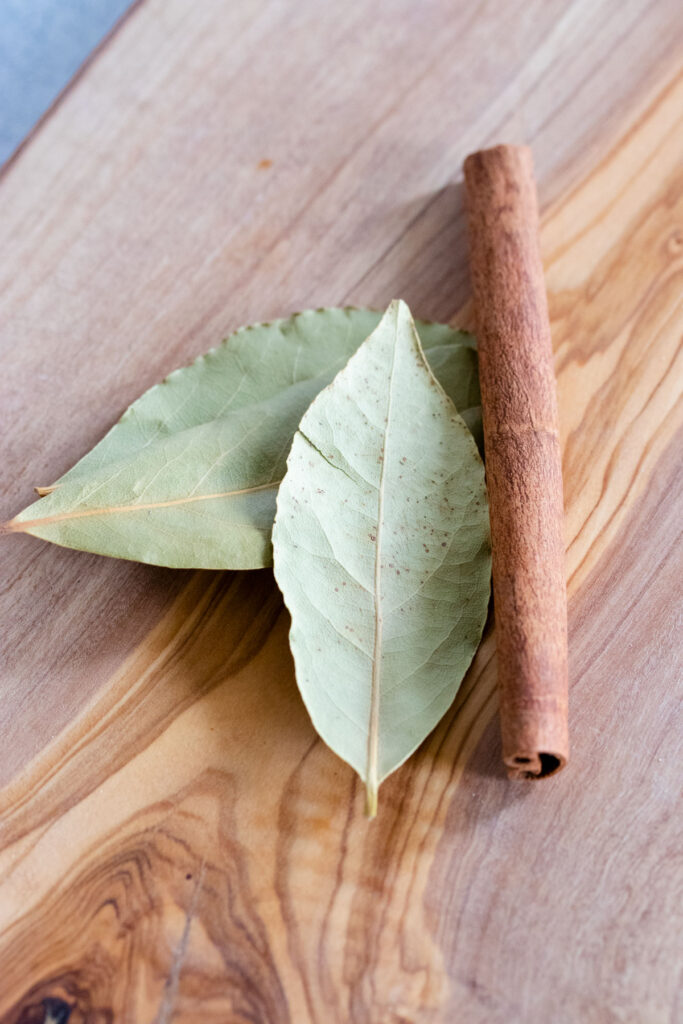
<point x="382" y="552"/>
<point x="188" y="476"/>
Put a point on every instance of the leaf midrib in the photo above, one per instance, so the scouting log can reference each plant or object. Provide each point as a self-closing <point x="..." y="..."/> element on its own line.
<point x="371" y="774"/>
<point x="18" y="525"/>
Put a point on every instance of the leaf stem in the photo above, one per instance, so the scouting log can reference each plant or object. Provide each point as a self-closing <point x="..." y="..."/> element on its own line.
<point x="370" y="800"/>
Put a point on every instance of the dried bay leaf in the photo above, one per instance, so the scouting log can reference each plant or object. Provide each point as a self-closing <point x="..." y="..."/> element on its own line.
<point x="188" y="477"/>
<point x="382" y="552"/>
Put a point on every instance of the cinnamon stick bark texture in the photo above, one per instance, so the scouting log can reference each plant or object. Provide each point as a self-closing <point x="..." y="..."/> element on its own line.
<point x="523" y="460"/>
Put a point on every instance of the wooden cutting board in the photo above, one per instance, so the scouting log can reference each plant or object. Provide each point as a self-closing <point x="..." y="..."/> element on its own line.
<point x="175" y="843"/>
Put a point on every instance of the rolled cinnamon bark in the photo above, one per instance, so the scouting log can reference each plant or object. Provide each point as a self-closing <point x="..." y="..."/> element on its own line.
<point x="523" y="462"/>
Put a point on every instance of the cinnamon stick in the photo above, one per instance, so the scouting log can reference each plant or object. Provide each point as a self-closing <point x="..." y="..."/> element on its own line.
<point x="523" y="462"/>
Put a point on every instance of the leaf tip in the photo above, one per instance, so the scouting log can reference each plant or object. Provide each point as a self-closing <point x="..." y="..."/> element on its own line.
<point x="399" y="308"/>
<point x="42" y="491"/>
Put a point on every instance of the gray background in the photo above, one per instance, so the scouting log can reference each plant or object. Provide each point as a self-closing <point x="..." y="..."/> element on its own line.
<point x="42" y="45"/>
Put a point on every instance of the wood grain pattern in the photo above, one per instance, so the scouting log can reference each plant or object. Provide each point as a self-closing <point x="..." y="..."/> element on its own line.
<point x="175" y="844"/>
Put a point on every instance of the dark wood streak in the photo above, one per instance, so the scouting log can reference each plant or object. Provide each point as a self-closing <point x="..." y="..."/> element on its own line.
<point x="142" y="879"/>
<point x="289" y="815"/>
<point x="326" y="929"/>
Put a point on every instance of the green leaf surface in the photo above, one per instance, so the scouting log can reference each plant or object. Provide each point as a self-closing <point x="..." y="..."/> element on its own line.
<point x="188" y="477"/>
<point x="382" y="552"/>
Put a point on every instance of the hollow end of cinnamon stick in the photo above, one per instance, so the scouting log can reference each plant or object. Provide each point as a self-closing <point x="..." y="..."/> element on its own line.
<point x="523" y="459"/>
